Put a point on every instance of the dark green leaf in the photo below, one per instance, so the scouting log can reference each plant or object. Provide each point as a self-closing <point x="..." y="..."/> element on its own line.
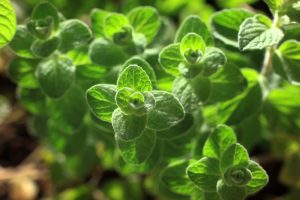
<point x="44" y="48"/>
<point x="231" y="193"/>
<point x="44" y="10"/>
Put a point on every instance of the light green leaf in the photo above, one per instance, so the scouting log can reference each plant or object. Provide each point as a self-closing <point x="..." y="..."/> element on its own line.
<point x="56" y="76"/>
<point x="231" y="193"/>
<point x="97" y="18"/>
<point x="145" y="20"/>
<point x="226" y="24"/>
<point x="212" y="60"/>
<point x="143" y="64"/>
<point x="193" y="24"/>
<point x="274" y="4"/>
<point x="136" y="78"/>
<point x="219" y="141"/>
<point x="227" y="83"/>
<point x="259" y="178"/>
<point x="170" y="59"/>
<point x="44" y="48"/>
<point x="44" y="10"/>
<point x="287" y="61"/>
<point x="73" y="34"/>
<point x="114" y="23"/>
<point x="205" y="174"/>
<point x="167" y="113"/>
<point x="235" y="155"/>
<point x="137" y="151"/>
<point x="101" y="100"/>
<point x="105" y="53"/>
<point x="257" y="33"/>
<point x="21" y="71"/>
<point x="22" y="41"/>
<point x="8" y="22"/>
<point x="192" y="47"/>
<point x="80" y="56"/>
<point x="128" y="127"/>
<point x="174" y="177"/>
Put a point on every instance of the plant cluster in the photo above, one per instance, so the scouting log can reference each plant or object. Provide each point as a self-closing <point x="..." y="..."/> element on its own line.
<point x="147" y="101"/>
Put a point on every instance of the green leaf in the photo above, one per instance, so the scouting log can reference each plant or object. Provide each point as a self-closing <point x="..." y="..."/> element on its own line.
<point x="97" y="18"/>
<point x="143" y="64"/>
<point x="170" y="59"/>
<point x="226" y="24"/>
<point x="145" y="20"/>
<point x="137" y="103"/>
<point x="257" y="33"/>
<point x="167" y="113"/>
<point x="235" y="155"/>
<point x="286" y="61"/>
<point x="136" y="78"/>
<point x="128" y="127"/>
<point x="227" y="83"/>
<point x="192" y="47"/>
<point x="73" y="34"/>
<point x="21" y="71"/>
<point x="231" y="193"/>
<point x="244" y="105"/>
<point x="219" y="141"/>
<point x="174" y="177"/>
<point x="44" y="10"/>
<point x="212" y="60"/>
<point x="193" y="24"/>
<point x="274" y="4"/>
<point x="114" y="23"/>
<point x="205" y="174"/>
<point x="56" y="76"/>
<point x="259" y="178"/>
<point x="22" y="41"/>
<point x="105" y="53"/>
<point x="33" y="100"/>
<point x="138" y="150"/>
<point x="44" y="48"/>
<point x="80" y="56"/>
<point x="101" y="101"/>
<point x="8" y="22"/>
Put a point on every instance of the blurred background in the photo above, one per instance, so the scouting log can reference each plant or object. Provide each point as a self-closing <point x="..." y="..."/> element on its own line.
<point x="29" y="170"/>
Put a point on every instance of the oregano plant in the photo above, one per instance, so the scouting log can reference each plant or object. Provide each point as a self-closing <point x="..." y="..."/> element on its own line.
<point x="181" y="104"/>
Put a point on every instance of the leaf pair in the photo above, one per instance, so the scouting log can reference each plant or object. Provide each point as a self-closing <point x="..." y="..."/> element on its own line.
<point x="119" y="35"/>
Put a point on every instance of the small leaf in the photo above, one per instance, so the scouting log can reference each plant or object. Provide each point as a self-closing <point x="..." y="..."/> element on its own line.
<point x="231" y="193"/>
<point x="101" y="100"/>
<point x="170" y="59"/>
<point x="286" y="61"/>
<point x="192" y="47"/>
<point x="138" y="150"/>
<point x="56" y="76"/>
<point x="167" y="113"/>
<point x="205" y="174"/>
<point x="212" y="60"/>
<point x="193" y="24"/>
<point x="105" y="53"/>
<point x="44" y="48"/>
<point x="21" y="71"/>
<point x="73" y="34"/>
<point x="226" y="24"/>
<point x="44" y="10"/>
<point x="274" y="4"/>
<point x="22" y="42"/>
<point x="145" y="20"/>
<point x="257" y="33"/>
<point x="114" y="23"/>
<point x="174" y="177"/>
<point x="219" y="141"/>
<point x="143" y="64"/>
<point x="128" y="127"/>
<point x="136" y="78"/>
<point x="259" y="178"/>
<point x="8" y="22"/>
<point x="227" y="83"/>
<point x="97" y="18"/>
<point x="235" y="155"/>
